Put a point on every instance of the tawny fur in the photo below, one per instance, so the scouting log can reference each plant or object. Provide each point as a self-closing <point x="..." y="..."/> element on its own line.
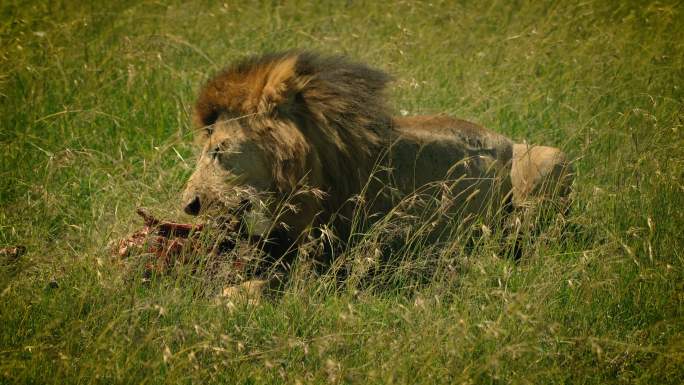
<point x="322" y="121"/>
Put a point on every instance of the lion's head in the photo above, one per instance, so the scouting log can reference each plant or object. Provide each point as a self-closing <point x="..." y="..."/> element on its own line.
<point x="285" y="126"/>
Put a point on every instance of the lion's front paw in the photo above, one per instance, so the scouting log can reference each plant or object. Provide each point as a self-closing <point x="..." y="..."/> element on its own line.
<point x="250" y="291"/>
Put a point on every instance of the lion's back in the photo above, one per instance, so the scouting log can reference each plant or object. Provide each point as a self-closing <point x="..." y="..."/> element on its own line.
<point x="472" y="160"/>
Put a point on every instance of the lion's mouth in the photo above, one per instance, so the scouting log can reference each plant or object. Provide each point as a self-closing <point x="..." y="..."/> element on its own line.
<point x="249" y="213"/>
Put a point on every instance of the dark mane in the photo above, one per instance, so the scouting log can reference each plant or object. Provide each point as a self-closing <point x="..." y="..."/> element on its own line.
<point x="338" y="105"/>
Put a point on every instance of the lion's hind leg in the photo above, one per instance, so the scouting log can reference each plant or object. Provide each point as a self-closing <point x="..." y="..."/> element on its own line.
<point x="542" y="179"/>
<point x="540" y="175"/>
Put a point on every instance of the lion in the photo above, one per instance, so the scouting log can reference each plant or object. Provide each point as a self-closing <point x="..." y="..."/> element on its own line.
<point x="316" y="130"/>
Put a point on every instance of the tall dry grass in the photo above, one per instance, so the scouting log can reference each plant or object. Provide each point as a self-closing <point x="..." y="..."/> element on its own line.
<point x="94" y="122"/>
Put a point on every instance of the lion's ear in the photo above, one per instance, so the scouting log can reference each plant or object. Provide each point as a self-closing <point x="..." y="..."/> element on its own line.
<point x="280" y="86"/>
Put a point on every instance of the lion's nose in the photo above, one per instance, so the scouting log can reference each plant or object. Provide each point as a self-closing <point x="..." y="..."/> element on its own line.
<point x="193" y="208"/>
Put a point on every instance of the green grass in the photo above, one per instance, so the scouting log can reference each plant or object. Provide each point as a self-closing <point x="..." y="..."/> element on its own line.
<point x="94" y="121"/>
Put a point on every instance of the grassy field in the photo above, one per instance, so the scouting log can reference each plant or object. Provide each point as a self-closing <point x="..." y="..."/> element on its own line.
<point x="94" y="122"/>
